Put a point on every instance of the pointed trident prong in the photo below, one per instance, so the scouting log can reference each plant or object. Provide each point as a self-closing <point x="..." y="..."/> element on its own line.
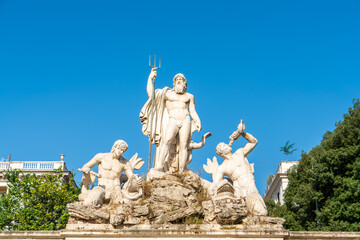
<point x="155" y="62"/>
<point x="152" y="108"/>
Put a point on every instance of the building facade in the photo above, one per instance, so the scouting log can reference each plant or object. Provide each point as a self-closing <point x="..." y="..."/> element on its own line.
<point x="36" y="167"/>
<point x="279" y="182"/>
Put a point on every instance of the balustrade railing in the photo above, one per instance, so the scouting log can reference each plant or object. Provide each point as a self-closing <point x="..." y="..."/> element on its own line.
<point x="33" y="165"/>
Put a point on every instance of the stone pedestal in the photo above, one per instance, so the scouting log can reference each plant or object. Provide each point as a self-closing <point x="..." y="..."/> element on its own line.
<point x="178" y="231"/>
<point x="175" y="203"/>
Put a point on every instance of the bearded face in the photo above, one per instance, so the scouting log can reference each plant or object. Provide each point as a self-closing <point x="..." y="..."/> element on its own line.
<point x="180" y="86"/>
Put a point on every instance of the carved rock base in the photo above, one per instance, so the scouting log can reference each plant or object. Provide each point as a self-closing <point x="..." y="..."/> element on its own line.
<point x="224" y="211"/>
<point x="171" y="199"/>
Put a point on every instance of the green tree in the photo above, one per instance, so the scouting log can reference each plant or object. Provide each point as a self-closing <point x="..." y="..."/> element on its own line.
<point x="287" y="149"/>
<point x="324" y="188"/>
<point x="36" y="202"/>
<point x="275" y="209"/>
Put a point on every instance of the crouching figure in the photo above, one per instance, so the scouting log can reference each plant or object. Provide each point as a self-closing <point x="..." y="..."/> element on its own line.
<point x="237" y="168"/>
<point x="111" y="166"/>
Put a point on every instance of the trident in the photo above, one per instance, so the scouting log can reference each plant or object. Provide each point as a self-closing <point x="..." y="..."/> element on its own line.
<point x="153" y="109"/>
<point x="154" y="62"/>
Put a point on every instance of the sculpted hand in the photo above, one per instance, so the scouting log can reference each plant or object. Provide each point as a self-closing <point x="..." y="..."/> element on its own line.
<point x="84" y="169"/>
<point x="153" y="73"/>
<point x="206" y="135"/>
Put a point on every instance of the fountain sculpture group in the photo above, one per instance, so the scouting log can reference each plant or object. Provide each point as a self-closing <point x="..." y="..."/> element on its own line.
<point x="170" y="193"/>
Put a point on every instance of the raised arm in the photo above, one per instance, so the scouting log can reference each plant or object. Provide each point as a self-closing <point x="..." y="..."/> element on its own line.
<point x="252" y="142"/>
<point x="150" y="85"/>
<point x="193" y="113"/>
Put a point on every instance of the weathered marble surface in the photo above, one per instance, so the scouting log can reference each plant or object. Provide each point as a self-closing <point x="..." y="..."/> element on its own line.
<point x="153" y="232"/>
<point x="111" y="166"/>
<point x="169" y="119"/>
<point x="241" y="183"/>
<point x="170" y="199"/>
<point x="171" y="194"/>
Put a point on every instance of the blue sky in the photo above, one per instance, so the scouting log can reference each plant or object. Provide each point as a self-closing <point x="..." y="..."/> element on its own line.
<point x="73" y="73"/>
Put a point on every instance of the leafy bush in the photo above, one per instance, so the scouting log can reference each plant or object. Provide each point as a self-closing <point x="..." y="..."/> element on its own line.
<point x="36" y="202"/>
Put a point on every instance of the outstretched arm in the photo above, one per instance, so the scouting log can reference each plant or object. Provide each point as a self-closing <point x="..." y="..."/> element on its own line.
<point x="194" y="145"/>
<point x="94" y="161"/>
<point x="252" y="142"/>
<point x="193" y="113"/>
<point x="150" y="85"/>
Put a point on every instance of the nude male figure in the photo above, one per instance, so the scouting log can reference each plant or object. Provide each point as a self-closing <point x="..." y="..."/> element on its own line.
<point x="180" y="106"/>
<point x="111" y="165"/>
<point x="237" y="168"/>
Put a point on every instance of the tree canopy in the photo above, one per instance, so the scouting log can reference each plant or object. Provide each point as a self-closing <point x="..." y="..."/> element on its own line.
<point x="324" y="188"/>
<point x="36" y="202"/>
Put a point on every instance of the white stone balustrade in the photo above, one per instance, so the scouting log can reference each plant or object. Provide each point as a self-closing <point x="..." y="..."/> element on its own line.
<point x="33" y="165"/>
<point x="36" y="167"/>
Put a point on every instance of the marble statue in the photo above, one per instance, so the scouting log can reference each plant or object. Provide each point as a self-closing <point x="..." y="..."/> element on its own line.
<point x="111" y="166"/>
<point x="238" y="169"/>
<point x="171" y="198"/>
<point x="166" y="120"/>
<point x="171" y="194"/>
